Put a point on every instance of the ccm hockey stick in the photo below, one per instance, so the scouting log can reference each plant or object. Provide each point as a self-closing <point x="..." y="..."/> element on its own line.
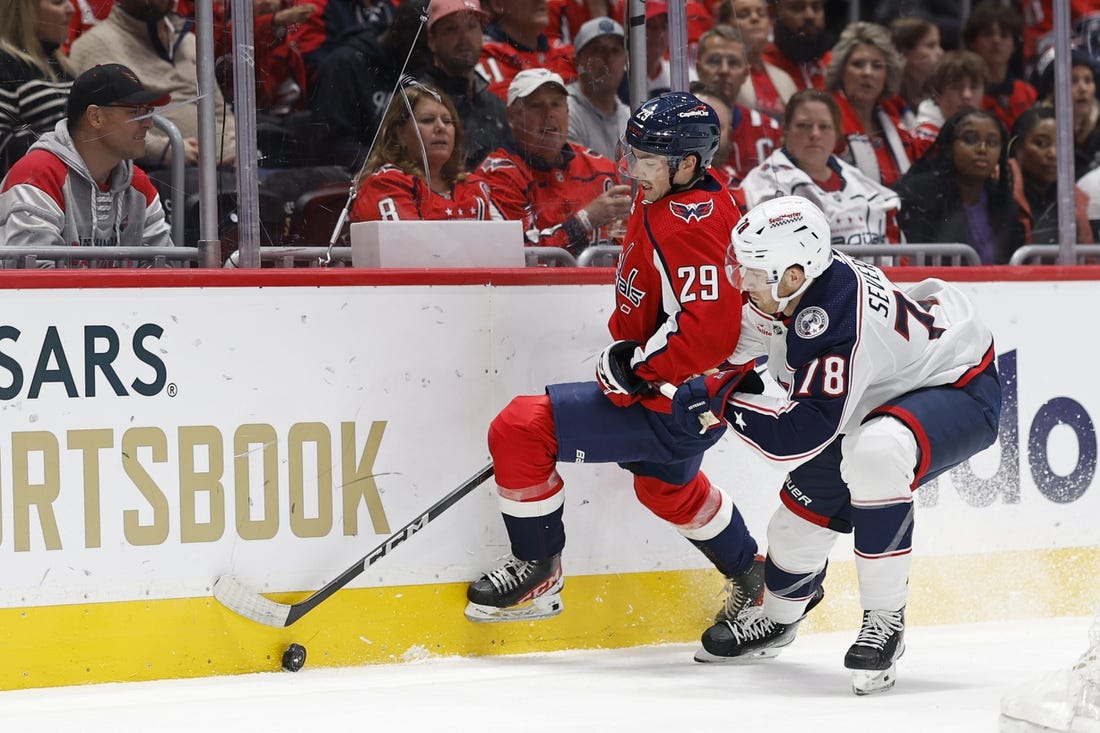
<point x="241" y="600"/>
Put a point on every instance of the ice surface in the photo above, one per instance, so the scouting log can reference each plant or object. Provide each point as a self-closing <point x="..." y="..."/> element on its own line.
<point x="951" y="679"/>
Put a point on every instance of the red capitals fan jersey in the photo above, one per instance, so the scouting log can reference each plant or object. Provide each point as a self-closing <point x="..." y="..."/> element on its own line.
<point x="671" y="288"/>
<point x="753" y="137"/>
<point x="391" y="194"/>
<point x="545" y="198"/>
<point x="806" y="74"/>
<point x="567" y="17"/>
<point x="501" y="60"/>
<point x="1009" y="99"/>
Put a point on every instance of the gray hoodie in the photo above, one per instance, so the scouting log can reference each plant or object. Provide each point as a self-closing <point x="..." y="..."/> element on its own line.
<point x="49" y="198"/>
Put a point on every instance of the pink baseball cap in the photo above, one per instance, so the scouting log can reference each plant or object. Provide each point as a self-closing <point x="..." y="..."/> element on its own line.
<point x="443" y="8"/>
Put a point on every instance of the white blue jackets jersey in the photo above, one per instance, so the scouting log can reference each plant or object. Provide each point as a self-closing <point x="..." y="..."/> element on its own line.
<point x="861" y="212"/>
<point x="855" y="341"/>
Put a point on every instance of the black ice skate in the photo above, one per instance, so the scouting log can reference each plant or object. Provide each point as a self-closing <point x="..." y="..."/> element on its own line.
<point x="880" y="643"/>
<point x="750" y="636"/>
<point x="518" y="590"/>
<point x="743" y="590"/>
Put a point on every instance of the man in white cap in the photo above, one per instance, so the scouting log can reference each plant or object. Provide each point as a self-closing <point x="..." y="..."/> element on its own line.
<point x="597" y="117"/>
<point x="455" y="39"/>
<point x="563" y="192"/>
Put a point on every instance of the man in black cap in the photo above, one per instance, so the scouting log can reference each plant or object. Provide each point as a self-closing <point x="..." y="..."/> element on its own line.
<point x="78" y="185"/>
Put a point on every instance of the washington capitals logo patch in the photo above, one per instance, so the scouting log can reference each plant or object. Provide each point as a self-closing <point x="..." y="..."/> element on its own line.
<point x="689" y="212"/>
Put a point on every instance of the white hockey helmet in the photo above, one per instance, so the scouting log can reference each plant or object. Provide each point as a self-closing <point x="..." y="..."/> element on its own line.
<point x="775" y="235"/>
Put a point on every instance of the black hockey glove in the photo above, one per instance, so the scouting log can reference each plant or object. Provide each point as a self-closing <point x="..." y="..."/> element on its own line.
<point x="614" y="373"/>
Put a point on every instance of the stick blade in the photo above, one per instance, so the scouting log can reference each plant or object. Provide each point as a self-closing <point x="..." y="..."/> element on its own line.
<point x="239" y="599"/>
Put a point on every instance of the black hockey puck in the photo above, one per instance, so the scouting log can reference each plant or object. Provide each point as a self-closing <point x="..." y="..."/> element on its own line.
<point x="294" y="658"/>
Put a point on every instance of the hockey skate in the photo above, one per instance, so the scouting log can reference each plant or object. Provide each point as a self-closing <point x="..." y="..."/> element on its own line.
<point x="750" y="636"/>
<point x="518" y="590"/>
<point x="880" y="643"/>
<point x="742" y="590"/>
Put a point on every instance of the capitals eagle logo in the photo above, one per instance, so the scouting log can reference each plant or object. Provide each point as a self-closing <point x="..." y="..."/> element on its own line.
<point x="697" y="211"/>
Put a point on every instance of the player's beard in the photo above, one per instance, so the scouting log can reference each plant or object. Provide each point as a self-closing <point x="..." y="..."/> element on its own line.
<point x="798" y="47"/>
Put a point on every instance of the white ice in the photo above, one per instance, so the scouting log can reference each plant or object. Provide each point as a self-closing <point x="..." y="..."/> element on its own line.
<point x="951" y="679"/>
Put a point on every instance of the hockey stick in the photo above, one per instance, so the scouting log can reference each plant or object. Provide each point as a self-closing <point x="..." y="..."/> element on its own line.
<point x="232" y="594"/>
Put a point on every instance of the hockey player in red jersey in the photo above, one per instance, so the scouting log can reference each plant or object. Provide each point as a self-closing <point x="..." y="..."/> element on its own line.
<point x="675" y="316"/>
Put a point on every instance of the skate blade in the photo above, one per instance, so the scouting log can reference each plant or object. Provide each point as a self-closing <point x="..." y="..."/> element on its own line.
<point x="704" y="657"/>
<point x="546" y="606"/>
<point x="871" y="681"/>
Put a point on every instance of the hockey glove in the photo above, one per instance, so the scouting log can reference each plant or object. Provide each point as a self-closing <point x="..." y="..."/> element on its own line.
<point x="700" y="401"/>
<point x="615" y="375"/>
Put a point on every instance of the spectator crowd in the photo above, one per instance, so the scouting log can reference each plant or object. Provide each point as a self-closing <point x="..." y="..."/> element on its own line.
<point x="914" y="125"/>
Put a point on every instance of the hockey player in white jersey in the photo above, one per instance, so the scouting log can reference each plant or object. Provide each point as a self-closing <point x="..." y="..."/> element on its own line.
<point x="886" y="388"/>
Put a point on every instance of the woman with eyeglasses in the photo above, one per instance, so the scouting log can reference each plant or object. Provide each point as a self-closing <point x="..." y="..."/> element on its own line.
<point x="863" y="76"/>
<point x="417" y="170"/>
<point x="961" y="190"/>
<point x="35" y="75"/>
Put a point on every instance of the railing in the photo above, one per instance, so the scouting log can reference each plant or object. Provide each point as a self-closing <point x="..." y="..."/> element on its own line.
<point x="1047" y="254"/>
<point x="600" y="255"/>
<point x="603" y="255"/>
<point x="63" y="257"/>
<point x="301" y="256"/>
<point x="547" y="256"/>
<point x="918" y="255"/>
<point x="175" y="176"/>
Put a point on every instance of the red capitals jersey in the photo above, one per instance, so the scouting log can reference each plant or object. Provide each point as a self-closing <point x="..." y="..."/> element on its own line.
<point x="754" y="136"/>
<point x="567" y="17"/>
<point x="671" y="291"/>
<point x="1009" y="100"/>
<point x="391" y="194"/>
<point x="502" y="60"/>
<point x="806" y="75"/>
<point x="546" y="199"/>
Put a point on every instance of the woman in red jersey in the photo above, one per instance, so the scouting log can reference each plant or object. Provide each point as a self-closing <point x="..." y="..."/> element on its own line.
<point x="417" y="169"/>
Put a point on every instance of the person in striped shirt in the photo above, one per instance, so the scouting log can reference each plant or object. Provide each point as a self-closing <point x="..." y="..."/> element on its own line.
<point x="34" y="75"/>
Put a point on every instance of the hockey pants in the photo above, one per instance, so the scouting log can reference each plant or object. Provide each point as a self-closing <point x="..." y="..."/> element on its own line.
<point x="575" y="422"/>
<point x="864" y="481"/>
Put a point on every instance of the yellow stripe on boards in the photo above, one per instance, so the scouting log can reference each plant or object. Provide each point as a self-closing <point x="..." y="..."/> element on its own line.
<point x="196" y="637"/>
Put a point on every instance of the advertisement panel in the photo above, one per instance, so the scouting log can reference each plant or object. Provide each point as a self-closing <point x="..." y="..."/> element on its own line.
<point x="158" y="437"/>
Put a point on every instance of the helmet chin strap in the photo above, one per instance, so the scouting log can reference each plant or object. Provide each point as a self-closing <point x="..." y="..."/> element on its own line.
<point x="785" y="300"/>
<point x="672" y="171"/>
<point x="673" y="187"/>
